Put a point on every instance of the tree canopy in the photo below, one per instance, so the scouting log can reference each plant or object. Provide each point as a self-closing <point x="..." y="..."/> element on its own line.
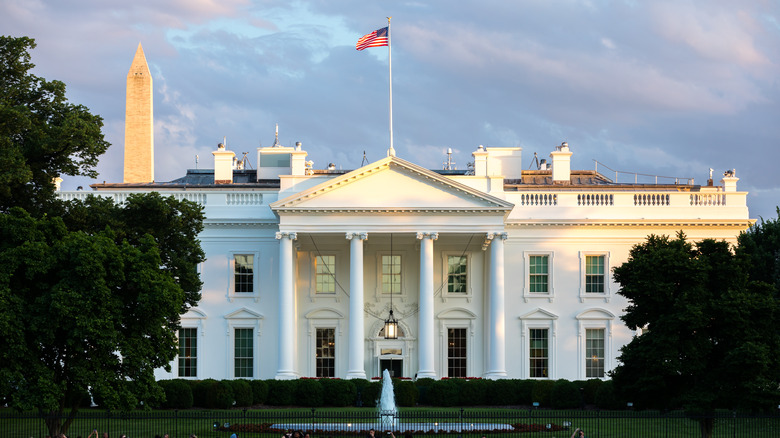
<point x="42" y="135"/>
<point x="709" y="337"/>
<point x="94" y="309"/>
<point x="91" y="291"/>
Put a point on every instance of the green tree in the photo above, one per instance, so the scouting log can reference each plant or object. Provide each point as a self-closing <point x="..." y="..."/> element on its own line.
<point x="94" y="309"/>
<point x="708" y="338"/>
<point x="42" y="135"/>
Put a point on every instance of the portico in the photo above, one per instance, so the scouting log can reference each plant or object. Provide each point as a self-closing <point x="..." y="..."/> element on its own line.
<point x="465" y="220"/>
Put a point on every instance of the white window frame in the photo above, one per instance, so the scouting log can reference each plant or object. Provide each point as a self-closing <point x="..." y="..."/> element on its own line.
<point x="539" y="319"/>
<point x="325" y="317"/>
<point x="445" y="255"/>
<point x="246" y="319"/>
<point x="401" y="296"/>
<point x="314" y="274"/>
<point x="255" y="294"/>
<point x="456" y="318"/>
<point x="595" y="318"/>
<point x="192" y="319"/>
<point x="527" y="294"/>
<point x="607" y="277"/>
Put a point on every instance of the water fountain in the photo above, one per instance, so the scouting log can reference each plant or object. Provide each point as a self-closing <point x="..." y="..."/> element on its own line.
<point x="387" y="408"/>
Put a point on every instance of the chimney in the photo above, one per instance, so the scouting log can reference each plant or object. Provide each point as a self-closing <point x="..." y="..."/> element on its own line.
<point x="561" y="164"/>
<point x="729" y="180"/>
<point x="223" y="165"/>
<point x="57" y="183"/>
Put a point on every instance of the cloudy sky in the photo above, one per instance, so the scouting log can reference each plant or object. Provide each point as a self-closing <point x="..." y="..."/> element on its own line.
<point x="669" y="88"/>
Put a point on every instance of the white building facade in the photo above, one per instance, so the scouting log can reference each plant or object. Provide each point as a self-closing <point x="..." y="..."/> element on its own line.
<point x="497" y="272"/>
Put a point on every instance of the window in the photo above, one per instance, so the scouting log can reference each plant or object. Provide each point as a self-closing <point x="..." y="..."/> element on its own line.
<point x="456" y="352"/>
<point x="243" y="357"/>
<point x="457" y="273"/>
<point x="391" y="274"/>
<point x="188" y="352"/>
<point x="594" y="274"/>
<point x="538" y="353"/>
<point x="594" y="353"/>
<point x="325" y="273"/>
<point x="326" y="352"/>
<point x="538" y="268"/>
<point x="244" y="268"/>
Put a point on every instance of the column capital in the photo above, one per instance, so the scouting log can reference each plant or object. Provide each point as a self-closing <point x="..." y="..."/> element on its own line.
<point x="286" y="234"/>
<point x="490" y="236"/>
<point x="362" y="235"/>
<point x="432" y="236"/>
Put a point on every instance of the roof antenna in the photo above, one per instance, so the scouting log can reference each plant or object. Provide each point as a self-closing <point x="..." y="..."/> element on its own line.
<point x="276" y="138"/>
<point x="535" y="161"/>
<point x="365" y="160"/>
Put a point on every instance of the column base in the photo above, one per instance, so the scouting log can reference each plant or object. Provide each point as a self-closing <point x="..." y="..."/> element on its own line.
<point x="495" y="375"/>
<point x="286" y="375"/>
<point x="426" y="374"/>
<point x="356" y="374"/>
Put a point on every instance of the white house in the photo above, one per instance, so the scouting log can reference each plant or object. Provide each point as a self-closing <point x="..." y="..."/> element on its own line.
<point x="494" y="272"/>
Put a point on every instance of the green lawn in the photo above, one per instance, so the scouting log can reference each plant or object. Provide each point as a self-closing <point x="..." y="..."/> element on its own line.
<point x="603" y="424"/>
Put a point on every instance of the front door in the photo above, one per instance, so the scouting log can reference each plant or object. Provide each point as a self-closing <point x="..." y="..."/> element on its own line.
<point x="394" y="366"/>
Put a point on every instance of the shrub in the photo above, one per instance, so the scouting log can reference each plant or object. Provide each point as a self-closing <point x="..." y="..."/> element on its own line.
<point x="590" y="388"/>
<point x="606" y="397"/>
<point x="360" y="385"/>
<point x="178" y="394"/>
<point x="259" y="391"/>
<point x="474" y="392"/>
<point x="339" y="392"/>
<point x="543" y="391"/>
<point x="370" y="394"/>
<point x="443" y="393"/>
<point x="525" y="392"/>
<point x="281" y="392"/>
<point x="308" y="392"/>
<point x="565" y="395"/>
<point x="501" y="392"/>
<point x="406" y="393"/>
<point x="223" y="395"/>
<point x="423" y="387"/>
<point x="242" y="392"/>
<point x="201" y="393"/>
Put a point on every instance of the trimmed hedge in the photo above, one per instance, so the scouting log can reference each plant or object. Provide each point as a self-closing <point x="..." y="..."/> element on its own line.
<point x="225" y="394"/>
<point x="242" y="393"/>
<point x="339" y="392"/>
<point x="213" y="394"/>
<point x="281" y="392"/>
<point x="259" y="391"/>
<point x="178" y="394"/>
<point x="565" y="395"/>
<point x="309" y="393"/>
<point x="406" y="393"/>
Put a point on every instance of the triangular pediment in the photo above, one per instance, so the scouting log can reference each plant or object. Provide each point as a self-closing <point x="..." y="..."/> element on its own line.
<point x="392" y="184"/>
<point x="538" y="314"/>
<point x="244" y="313"/>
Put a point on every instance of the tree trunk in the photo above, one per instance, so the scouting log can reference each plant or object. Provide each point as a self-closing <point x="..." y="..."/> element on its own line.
<point x="53" y="423"/>
<point x="705" y="426"/>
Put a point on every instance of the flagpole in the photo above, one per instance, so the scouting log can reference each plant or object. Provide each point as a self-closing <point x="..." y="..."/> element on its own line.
<point x="391" y="151"/>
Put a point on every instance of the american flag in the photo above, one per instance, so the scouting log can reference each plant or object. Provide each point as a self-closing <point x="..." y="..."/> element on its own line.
<point x="377" y="38"/>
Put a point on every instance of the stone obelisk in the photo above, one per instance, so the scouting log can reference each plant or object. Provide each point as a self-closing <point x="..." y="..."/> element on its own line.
<point x="139" y="122"/>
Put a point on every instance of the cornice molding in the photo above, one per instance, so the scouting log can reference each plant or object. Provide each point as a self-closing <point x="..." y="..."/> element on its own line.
<point x="701" y="223"/>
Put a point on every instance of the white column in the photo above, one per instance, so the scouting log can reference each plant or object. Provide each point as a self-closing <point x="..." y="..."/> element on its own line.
<point x="497" y="356"/>
<point x="356" y="366"/>
<point x="286" y="314"/>
<point x="425" y="341"/>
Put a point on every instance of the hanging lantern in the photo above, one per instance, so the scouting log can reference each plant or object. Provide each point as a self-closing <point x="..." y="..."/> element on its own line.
<point x="391" y="326"/>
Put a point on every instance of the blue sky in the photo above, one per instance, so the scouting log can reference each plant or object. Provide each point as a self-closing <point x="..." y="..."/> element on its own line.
<point x="664" y="87"/>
